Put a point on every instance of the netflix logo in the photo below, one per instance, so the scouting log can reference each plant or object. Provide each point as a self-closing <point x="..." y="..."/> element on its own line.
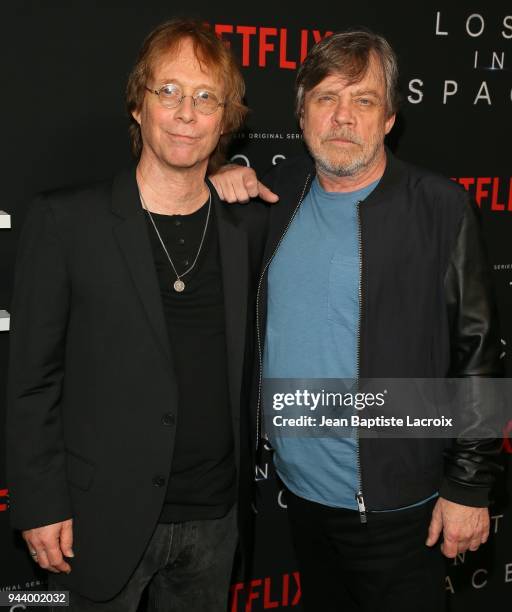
<point x="258" y="46"/>
<point x="266" y="593"/>
<point x="495" y="192"/>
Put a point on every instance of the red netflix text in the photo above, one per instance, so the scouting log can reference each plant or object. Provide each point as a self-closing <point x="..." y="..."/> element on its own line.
<point x="494" y="191"/>
<point x="3" y="496"/>
<point x="269" y="593"/>
<point x="258" y="44"/>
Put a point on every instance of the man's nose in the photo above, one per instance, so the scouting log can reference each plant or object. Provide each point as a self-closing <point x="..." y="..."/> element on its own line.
<point x="344" y="111"/>
<point x="186" y="110"/>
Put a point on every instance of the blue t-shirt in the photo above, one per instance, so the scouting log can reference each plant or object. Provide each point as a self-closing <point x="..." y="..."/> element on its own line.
<point x="312" y="327"/>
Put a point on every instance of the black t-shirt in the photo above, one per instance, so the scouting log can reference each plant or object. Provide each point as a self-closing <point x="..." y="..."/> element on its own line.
<point x="202" y="479"/>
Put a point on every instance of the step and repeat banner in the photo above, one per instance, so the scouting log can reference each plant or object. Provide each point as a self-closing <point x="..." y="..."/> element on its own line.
<point x="64" y="69"/>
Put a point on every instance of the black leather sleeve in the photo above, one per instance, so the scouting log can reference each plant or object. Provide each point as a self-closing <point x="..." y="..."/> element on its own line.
<point x="471" y="465"/>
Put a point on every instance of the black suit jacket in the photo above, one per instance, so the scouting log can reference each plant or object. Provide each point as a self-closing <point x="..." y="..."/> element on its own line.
<point x="91" y="372"/>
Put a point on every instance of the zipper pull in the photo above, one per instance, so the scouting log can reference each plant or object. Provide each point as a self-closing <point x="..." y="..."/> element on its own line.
<point x="361" y="507"/>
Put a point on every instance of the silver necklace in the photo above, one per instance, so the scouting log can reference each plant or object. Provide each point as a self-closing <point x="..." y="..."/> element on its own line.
<point x="178" y="284"/>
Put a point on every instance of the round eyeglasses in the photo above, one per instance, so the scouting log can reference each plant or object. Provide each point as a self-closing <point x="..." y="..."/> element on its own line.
<point x="171" y="96"/>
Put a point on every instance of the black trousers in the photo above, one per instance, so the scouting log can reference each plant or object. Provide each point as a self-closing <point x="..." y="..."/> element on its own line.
<point x="383" y="565"/>
<point x="186" y="567"/>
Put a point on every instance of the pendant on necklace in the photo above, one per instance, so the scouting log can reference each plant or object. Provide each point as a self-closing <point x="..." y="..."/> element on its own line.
<point x="179" y="285"/>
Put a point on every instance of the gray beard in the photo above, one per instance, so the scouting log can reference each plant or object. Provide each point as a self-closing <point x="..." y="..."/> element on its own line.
<point x="329" y="168"/>
<point x="348" y="169"/>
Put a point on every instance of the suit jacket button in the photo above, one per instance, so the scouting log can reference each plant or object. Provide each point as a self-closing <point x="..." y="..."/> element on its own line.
<point x="159" y="481"/>
<point x="169" y="419"/>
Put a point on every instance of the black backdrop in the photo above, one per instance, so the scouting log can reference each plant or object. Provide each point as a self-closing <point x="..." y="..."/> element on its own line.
<point x="64" y="65"/>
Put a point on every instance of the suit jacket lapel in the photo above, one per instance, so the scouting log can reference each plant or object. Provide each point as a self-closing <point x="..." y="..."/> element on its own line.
<point x="234" y="264"/>
<point x="133" y="240"/>
<point x="131" y="235"/>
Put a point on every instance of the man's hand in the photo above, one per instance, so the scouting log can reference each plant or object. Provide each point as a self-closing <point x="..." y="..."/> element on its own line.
<point x="236" y="183"/>
<point x="51" y="544"/>
<point x="463" y="527"/>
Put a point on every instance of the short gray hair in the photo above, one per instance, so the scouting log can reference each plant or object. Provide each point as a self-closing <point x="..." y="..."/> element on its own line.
<point x="348" y="53"/>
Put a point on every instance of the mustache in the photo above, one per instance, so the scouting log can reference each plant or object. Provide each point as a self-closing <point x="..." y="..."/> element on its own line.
<point x="343" y="135"/>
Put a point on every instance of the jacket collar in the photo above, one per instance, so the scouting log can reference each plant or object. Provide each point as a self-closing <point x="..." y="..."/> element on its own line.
<point x="294" y="182"/>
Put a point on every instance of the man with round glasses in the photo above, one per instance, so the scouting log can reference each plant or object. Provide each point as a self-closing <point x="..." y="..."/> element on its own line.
<point x="171" y="95"/>
<point x="130" y="353"/>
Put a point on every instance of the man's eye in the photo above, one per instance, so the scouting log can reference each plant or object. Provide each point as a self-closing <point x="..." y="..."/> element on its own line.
<point x="365" y="101"/>
<point x="204" y="95"/>
<point x="326" y="99"/>
<point x="171" y="91"/>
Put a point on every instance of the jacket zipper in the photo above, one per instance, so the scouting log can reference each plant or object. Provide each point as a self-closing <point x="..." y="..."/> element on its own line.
<point x="258" y="331"/>
<point x="359" y="495"/>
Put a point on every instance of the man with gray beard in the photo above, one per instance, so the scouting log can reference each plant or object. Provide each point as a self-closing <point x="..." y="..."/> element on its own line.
<point x="373" y="268"/>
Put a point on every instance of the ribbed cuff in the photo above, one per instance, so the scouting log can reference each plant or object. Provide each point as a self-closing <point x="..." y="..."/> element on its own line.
<point x="478" y="497"/>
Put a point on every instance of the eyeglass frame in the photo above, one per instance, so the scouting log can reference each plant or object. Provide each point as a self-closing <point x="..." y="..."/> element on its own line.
<point x="158" y="91"/>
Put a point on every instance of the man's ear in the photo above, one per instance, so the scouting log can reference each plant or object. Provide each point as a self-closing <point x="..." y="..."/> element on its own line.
<point x="223" y="129"/>
<point x="390" y="122"/>
<point x="301" y="118"/>
<point x="136" y="115"/>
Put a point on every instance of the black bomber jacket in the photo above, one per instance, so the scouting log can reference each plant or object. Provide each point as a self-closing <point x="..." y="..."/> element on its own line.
<point x="426" y="311"/>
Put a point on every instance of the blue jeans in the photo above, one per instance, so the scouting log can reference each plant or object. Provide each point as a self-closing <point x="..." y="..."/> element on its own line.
<point x="186" y="567"/>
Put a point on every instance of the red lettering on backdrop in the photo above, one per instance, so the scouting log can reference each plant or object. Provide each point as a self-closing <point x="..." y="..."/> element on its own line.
<point x="221" y="29"/>
<point x="507" y="442"/>
<point x="252" y="595"/>
<point x="466" y="182"/>
<point x="3" y="493"/>
<point x="267" y="604"/>
<point x="283" y="62"/>
<point x="264" y="45"/>
<point x="286" y="589"/>
<point x="317" y="35"/>
<point x="234" y="595"/>
<point x="480" y="191"/>
<point x="495" y="188"/>
<point x="303" y="45"/>
<point x="298" y="593"/>
<point x="246" y="32"/>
